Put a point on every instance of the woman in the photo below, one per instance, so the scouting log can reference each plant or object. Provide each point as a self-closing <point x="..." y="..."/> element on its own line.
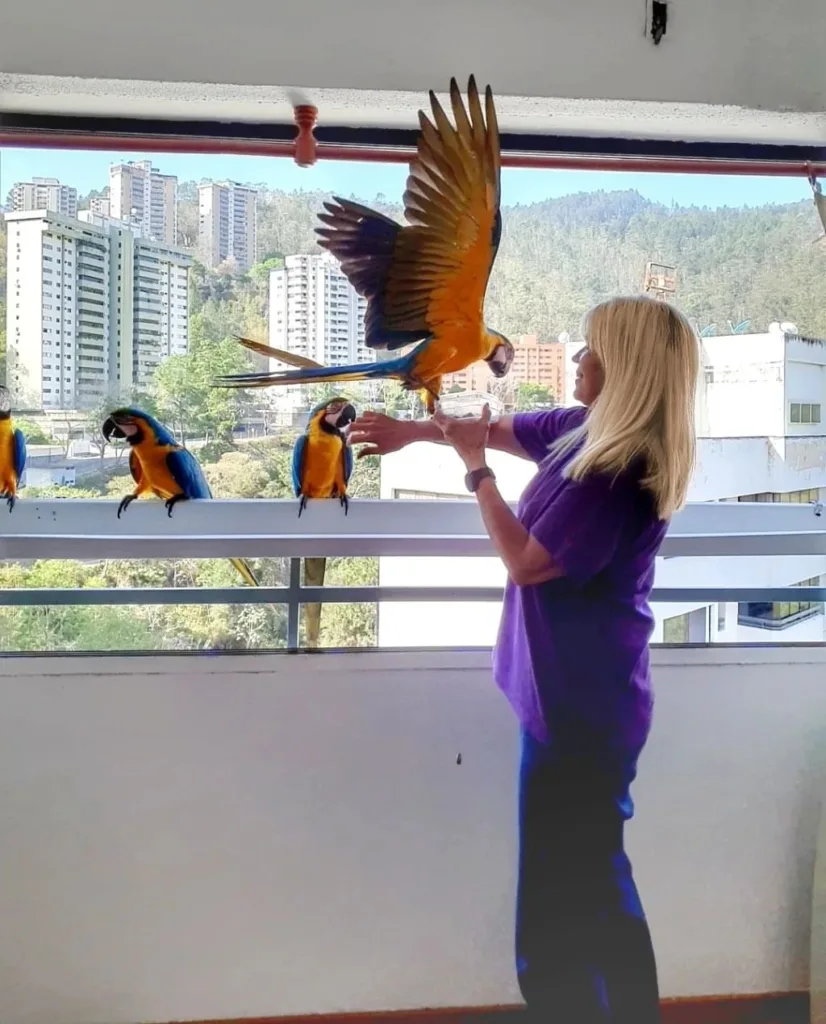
<point x="572" y="653"/>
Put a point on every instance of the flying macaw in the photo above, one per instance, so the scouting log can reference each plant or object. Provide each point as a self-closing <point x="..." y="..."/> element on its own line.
<point x="424" y="282"/>
<point x="12" y="452"/>
<point x="160" y="466"/>
<point x="322" y="465"/>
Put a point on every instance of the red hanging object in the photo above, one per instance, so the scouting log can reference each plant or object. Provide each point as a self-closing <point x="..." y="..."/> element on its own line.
<point x="306" y="146"/>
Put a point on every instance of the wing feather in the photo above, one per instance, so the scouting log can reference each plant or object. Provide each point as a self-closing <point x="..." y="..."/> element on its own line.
<point x="433" y="271"/>
<point x="298" y="463"/>
<point x="187" y="473"/>
<point x="19" y="454"/>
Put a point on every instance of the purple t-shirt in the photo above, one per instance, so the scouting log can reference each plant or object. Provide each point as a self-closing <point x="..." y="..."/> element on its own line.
<point x="572" y="653"/>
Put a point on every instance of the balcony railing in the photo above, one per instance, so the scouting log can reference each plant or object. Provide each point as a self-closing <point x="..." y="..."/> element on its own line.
<point x="90" y="529"/>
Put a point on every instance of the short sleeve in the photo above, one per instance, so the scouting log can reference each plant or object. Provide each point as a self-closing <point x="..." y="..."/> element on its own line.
<point x="585" y="524"/>
<point x="535" y="431"/>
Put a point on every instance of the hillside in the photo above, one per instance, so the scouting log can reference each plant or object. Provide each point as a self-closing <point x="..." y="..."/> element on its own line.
<point x="558" y="257"/>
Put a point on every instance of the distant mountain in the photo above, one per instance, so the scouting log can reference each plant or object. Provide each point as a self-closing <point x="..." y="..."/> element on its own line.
<point x="560" y="256"/>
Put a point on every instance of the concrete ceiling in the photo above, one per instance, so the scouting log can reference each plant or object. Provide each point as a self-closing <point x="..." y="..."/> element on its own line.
<point x="726" y="69"/>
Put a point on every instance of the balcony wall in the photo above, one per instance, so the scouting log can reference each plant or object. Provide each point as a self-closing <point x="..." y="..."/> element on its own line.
<point x="199" y="836"/>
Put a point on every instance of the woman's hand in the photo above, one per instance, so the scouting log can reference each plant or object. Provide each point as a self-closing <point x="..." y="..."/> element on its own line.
<point x="468" y="437"/>
<point x="381" y="433"/>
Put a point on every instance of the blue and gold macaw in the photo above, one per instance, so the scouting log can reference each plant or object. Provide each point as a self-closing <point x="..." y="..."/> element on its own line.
<point x="322" y="465"/>
<point x="12" y="452"/>
<point x="160" y="466"/>
<point x="424" y="282"/>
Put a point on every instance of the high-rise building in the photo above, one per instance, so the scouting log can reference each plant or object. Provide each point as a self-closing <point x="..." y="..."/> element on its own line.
<point x="316" y="312"/>
<point x="227" y="224"/>
<point x="92" y="308"/>
<point x="100" y="205"/>
<point x="533" y="363"/>
<point x="139" y="195"/>
<point x="44" y="194"/>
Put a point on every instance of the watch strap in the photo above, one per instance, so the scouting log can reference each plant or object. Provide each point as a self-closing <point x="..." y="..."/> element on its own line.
<point x="474" y="478"/>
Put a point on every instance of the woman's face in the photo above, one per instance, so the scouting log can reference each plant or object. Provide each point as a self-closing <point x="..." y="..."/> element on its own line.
<point x="589" y="376"/>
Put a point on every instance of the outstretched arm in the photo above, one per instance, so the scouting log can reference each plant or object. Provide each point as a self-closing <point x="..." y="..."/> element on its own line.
<point x="383" y="434"/>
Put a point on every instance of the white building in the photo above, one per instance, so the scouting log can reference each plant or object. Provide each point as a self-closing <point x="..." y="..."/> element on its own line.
<point x="315" y="311"/>
<point x="761" y="437"/>
<point x="227" y="224"/>
<point x="140" y="195"/>
<point x="101" y="205"/>
<point x="91" y="307"/>
<point x="44" y="194"/>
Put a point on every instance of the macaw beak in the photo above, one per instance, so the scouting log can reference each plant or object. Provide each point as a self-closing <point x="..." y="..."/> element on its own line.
<point x="112" y="428"/>
<point x="345" y="418"/>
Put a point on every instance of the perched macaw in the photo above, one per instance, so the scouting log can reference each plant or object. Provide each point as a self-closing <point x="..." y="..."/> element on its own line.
<point x="160" y="466"/>
<point x="424" y="282"/>
<point x="12" y="452"/>
<point x="322" y="464"/>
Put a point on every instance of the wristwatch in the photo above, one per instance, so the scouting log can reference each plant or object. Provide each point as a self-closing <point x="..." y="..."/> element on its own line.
<point x="473" y="479"/>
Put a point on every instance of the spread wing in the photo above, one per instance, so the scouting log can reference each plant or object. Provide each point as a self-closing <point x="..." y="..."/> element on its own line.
<point x="187" y="473"/>
<point x="298" y="463"/>
<point x="442" y="261"/>
<point x="19" y="454"/>
<point x="435" y="270"/>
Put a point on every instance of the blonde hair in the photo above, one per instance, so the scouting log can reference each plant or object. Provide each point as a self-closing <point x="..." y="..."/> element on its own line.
<point x="650" y="357"/>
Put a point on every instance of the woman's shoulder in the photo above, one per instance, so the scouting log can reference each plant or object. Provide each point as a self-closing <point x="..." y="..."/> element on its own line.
<point x="538" y="429"/>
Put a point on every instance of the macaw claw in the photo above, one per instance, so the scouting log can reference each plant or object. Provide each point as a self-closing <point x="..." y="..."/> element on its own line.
<point x="173" y="501"/>
<point x="126" y="502"/>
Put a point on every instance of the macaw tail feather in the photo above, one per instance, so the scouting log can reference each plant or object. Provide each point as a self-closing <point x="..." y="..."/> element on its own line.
<point x="314" y="570"/>
<point x="395" y="368"/>
<point x="290" y="358"/>
<point x="243" y="567"/>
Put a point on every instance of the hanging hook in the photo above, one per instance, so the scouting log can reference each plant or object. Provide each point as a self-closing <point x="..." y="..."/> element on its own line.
<point x="306" y="147"/>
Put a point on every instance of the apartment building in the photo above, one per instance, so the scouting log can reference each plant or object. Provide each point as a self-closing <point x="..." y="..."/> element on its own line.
<point x="316" y="312"/>
<point x="44" y="194"/>
<point x="142" y="197"/>
<point x="92" y="308"/>
<point x="534" y="362"/>
<point x="227" y="224"/>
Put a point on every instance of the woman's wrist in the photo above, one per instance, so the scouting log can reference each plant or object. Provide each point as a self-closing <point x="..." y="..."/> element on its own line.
<point x="423" y="430"/>
<point x="474" y="460"/>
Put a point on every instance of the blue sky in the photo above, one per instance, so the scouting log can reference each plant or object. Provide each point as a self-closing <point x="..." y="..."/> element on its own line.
<point x="86" y="170"/>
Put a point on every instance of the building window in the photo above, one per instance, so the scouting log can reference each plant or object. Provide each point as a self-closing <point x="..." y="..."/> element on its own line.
<point x="804" y="497"/>
<point x="779" y="614"/>
<point x="804" y="412"/>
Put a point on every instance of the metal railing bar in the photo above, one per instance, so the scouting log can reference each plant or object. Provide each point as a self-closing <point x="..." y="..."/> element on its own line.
<point x="294" y="595"/>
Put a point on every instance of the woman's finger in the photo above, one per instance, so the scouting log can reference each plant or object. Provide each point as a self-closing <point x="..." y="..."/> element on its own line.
<point x="372" y="450"/>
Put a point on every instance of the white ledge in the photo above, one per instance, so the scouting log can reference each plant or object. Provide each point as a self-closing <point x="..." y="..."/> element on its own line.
<point x="90" y="529"/>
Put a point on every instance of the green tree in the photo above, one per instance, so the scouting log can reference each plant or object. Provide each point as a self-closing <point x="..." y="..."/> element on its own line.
<point x="533" y="396"/>
<point x="34" y="432"/>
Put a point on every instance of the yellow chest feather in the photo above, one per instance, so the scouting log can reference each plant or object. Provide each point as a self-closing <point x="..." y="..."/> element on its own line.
<point x="322" y="465"/>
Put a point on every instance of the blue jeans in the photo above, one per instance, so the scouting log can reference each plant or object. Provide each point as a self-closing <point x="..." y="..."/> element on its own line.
<point x="583" y="949"/>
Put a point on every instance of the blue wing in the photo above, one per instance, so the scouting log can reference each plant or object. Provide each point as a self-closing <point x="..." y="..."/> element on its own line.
<point x="347" y="455"/>
<point x="19" y="454"/>
<point x="187" y="474"/>
<point x="298" y="463"/>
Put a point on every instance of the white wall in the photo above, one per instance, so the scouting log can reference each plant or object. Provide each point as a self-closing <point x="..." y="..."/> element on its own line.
<point x="198" y="837"/>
